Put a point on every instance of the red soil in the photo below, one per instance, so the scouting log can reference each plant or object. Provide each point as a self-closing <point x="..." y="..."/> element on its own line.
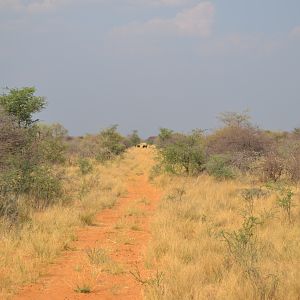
<point x="73" y="268"/>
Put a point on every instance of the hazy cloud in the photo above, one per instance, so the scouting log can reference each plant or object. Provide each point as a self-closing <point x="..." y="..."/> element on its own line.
<point x="195" y="21"/>
<point x="32" y="6"/>
<point x="163" y="2"/>
<point x="35" y="6"/>
<point x="295" y="32"/>
<point x="257" y="44"/>
<point x="11" y="4"/>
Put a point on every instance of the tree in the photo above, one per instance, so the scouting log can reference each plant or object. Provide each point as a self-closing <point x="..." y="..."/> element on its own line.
<point x="164" y="137"/>
<point x="110" y="143"/>
<point x="164" y="134"/>
<point x="235" y="119"/>
<point x="184" y="155"/>
<point x="133" y="138"/>
<point x="22" y="104"/>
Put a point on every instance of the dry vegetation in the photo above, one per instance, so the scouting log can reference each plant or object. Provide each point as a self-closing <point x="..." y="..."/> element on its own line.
<point x="25" y="251"/>
<point x="224" y="240"/>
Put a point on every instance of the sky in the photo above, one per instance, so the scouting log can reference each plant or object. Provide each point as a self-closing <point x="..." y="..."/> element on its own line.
<point x="146" y="64"/>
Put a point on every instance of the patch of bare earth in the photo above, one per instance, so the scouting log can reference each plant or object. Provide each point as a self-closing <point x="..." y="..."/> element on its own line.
<point x="99" y="264"/>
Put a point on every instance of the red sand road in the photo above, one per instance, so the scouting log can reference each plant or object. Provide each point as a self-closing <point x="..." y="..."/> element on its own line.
<point x="73" y="268"/>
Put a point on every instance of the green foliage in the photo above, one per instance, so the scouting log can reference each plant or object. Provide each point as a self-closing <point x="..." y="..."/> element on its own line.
<point x="133" y="139"/>
<point x="11" y="182"/>
<point x="51" y="143"/>
<point x="285" y="202"/>
<point x="22" y="104"/>
<point x="84" y="289"/>
<point x="37" y="187"/>
<point x="218" y="166"/>
<point x="164" y="136"/>
<point x="243" y="247"/>
<point x="242" y="243"/>
<point x="85" y="166"/>
<point x="12" y="138"/>
<point x="43" y="187"/>
<point x="110" y="144"/>
<point x="285" y="198"/>
<point x="185" y="155"/>
<point x="25" y="173"/>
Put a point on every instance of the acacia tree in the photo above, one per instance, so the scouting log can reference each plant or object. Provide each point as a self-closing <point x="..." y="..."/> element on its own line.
<point x="235" y="119"/>
<point x="133" y="139"/>
<point x="185" y="154"/>
<point x="22" y="104"/>
<point x="110" y="143"/>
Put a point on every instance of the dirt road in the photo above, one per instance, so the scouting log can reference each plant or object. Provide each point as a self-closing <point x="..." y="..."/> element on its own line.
<point x="99" y="264"/>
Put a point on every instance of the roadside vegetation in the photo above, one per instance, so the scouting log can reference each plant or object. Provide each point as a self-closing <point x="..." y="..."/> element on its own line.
<point x="50" y="185"/>
<point x="228" y="226"/>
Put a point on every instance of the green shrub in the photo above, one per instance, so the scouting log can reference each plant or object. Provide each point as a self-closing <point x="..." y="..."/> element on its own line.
<point x="218" y="167"/>
<point x="22" y="104"/>
<point x="110" y="144"/>
<point x="285" y="202"/>
<point x="133" y="139"/>
<point x="285" y="197"/>
<point x="51" y="144"/>
<point x="85" y="166"/>
<point x="44" y="187"/>
<point x="184" y="155"/>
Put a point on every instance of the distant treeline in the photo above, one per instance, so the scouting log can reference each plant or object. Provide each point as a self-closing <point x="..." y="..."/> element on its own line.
<point x="237" y="148"/>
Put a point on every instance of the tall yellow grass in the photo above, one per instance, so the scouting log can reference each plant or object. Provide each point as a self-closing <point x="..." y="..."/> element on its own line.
<point x="195" y="261"/>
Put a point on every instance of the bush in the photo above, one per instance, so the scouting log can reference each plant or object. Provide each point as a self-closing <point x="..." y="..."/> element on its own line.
<point x="110" y="144"/>
<point x="43" y="187"/>
<point x="104" y="146"/>
<point x="133" y="139"/>
<point x="185" y="155"/>
<point x="238" y="139"/>
<point x="218" y="167"/>
<point x="38" y="186"/>
<point x="12" y="138"/>
<point x="51" y="143"/>
<point x="85" y="166"/>
<point x="290" y="155"/>
<point x="165" y="137"/>
<point x="273" y="167"/>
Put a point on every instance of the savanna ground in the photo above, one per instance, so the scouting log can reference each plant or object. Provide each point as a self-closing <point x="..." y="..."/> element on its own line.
<point x="114" y="204"/>
<point x="156" y="237"/>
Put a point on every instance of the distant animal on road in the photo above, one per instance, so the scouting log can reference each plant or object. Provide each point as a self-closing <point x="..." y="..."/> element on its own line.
<point x="142" y="145"/>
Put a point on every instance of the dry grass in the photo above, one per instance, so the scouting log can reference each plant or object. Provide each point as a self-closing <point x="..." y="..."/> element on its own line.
<point x="27" y="250"/>
<point x="189" y="245"/>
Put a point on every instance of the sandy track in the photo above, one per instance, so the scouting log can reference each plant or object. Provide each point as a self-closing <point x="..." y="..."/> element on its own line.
<point x="123" y="232"/>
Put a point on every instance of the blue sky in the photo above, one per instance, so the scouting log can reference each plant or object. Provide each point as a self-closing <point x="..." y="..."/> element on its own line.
<point x="145" y="64"/>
